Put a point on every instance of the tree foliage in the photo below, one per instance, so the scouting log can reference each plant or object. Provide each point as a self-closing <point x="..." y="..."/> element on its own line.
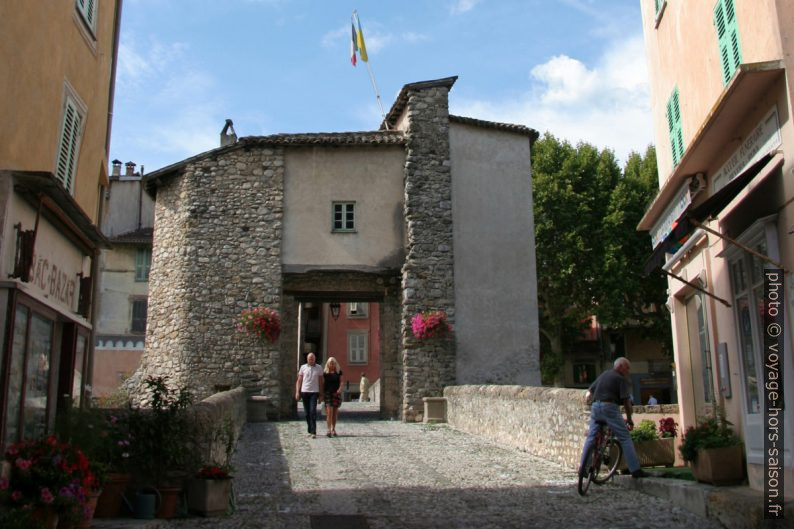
<point x="589" y="254"/>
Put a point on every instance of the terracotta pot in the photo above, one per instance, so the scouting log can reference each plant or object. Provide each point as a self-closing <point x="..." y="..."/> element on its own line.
<point x="169" y="502"/>
<point x="719" y="466"/>
<point x="209" y="497"/>
<point x="109" y="503"/>
<point x="47" y="517"/>
<point x="90" y="508"/>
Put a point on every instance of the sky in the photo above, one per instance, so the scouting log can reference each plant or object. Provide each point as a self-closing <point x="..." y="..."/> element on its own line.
<point x="574" y="68"/>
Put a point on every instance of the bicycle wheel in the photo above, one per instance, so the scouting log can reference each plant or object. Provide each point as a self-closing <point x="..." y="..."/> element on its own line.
<point x="611" y="454"/>
<point x="586" y="476"/>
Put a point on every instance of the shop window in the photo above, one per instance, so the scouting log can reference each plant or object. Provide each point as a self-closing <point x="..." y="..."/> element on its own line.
<point x="357" y="310"/>
<point x="143" y="263"/>
<point x="357" y="347"/>
<point x="139" y="309"/>
<point x="27" y="397"/>
<point x="344" y="216"/>
<point x="674" y="126"/>
<point x="727" y="38"/>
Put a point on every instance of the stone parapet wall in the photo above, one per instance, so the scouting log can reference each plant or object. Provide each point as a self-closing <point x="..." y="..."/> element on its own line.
<point x="219" y="419"/>
<point x="428" y="272"/>
<point x="547" y="422"/>
<point x="217" y="250"/>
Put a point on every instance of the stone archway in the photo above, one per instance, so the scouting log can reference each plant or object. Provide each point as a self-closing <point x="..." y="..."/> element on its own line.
<point x="325" y="287"/>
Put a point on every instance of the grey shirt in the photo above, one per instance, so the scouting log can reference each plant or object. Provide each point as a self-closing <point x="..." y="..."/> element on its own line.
<point x="610" y="385"/>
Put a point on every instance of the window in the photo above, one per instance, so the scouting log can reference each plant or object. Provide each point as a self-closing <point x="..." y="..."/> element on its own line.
<point x="674" y="126"/>
<point x="357" y="310"/>
<point x="69" y="143"/>
<point x="138" y="315"/>
<point x="87" y="10"/>
<point x="27" y="400"/>
<point x="727" y="38"/>
<point x="660" y="5"/>
<point x="357" y="347"/>
<point x="344" y="216"/>
<point x="143" y="262"/>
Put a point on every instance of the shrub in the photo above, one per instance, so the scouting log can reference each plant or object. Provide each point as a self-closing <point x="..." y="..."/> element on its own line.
<point x="645" y="431"/>
<point x="712" y="432"/>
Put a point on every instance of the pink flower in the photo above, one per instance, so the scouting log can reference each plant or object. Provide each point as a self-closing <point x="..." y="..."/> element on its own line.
<point x="16" y="495"/>
<point x="46" y="496"/>
<point x="3" y="483"/>
<point x="23" y="464"/>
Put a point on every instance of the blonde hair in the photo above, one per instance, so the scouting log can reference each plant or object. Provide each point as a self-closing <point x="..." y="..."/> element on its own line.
<point x="328" y="362"/>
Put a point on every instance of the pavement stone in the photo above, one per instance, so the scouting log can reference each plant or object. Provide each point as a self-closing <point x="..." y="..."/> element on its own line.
<point x="411" y="476"/>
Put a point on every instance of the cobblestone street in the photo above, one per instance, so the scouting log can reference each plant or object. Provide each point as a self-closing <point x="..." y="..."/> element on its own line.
<point x="389" y="474"/>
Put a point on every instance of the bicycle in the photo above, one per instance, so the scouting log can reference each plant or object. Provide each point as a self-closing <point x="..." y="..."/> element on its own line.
<point x="602" y="460"/>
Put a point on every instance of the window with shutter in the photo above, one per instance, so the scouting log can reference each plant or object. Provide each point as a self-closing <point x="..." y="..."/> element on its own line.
<point x="728" y="42"/>
<point x="69" y="144"/>
<point x="357" y="347"/>
<point x="674" y="127"/>
<point x="139" y="309"/>
<point x="143" y="262"/>
<point x="87" y="9"/>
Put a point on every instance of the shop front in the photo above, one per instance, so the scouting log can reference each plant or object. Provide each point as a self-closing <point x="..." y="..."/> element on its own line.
<point x="47" y="257"/>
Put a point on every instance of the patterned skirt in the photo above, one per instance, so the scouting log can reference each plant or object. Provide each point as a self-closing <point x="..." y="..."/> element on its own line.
<point x="333" y="399"/>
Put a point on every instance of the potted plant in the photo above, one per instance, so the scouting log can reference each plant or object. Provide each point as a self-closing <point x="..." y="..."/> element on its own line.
<point x="209" y="491"/>
<point x="430" y="324"/>
<point x="163" y="443"/>
<point x="114" y="451"/>
<point x="49" y="478"/>
<point x="262" y="322"/>
<point x="713" y="451"/>
<point x="655" y="448"/>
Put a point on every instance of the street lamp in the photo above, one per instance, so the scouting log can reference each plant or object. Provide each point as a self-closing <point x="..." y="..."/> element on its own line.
<point x="335" y="310"/>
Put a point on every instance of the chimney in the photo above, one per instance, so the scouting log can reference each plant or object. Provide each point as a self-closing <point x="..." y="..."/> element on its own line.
<point x="228" y="138"/>
<point x="130" y="169"/>
<point x="116" y="168"/>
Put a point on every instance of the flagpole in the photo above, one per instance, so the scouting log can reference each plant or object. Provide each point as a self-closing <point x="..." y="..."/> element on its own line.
<point x="372" y="78"/>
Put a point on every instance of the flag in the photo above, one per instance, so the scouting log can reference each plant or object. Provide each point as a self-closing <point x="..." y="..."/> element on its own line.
<point x="353" y="43"/>
<point x="362" y="49"/>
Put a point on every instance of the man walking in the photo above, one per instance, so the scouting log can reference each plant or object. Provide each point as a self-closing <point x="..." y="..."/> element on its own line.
<point x="308" y="388"/>
<point x="607" y="393"/>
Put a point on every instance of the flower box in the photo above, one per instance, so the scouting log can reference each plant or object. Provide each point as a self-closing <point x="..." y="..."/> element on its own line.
<point x="719" y="466"/>
<point x="262" y="322"/>
<point x="209" y="497"/>
<point x="656" y="453"/>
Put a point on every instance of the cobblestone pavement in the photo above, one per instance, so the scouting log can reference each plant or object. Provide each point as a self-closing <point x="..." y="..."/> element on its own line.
<point x="414" y="476"/>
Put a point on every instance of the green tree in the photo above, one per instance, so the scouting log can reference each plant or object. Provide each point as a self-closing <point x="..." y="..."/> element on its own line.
<point x="589" y="255"/>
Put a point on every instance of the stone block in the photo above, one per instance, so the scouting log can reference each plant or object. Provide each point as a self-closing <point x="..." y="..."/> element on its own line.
<point x="435" y="409"/>
<point x="256" y="408"/>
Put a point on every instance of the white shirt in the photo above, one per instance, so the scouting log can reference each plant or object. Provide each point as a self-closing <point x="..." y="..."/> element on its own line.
<point x="311" y="378"/>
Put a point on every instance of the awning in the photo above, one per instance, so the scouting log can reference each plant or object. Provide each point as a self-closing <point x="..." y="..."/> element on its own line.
<point x="693" y="217"/>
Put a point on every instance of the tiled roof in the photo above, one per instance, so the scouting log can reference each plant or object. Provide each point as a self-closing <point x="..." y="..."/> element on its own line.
<point x="378" y="137"/>
<point x="402" y="97"/>
<point x="139" y="236"/>
<point x="509" y="127"/>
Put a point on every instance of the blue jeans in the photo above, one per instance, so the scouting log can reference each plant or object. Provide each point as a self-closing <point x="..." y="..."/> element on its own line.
<point x="610" y="414"/>
<point x="310" y="408"/>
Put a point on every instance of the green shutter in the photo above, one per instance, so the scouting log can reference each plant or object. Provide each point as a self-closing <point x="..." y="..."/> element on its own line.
<point x="659" y="5"/>
<point x="674" y="127"/>
<point x="727" y="38"/>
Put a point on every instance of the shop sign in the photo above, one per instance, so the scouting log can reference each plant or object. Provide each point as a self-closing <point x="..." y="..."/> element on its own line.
<point x="764" y="138"/>
<point x="665" y="225"/>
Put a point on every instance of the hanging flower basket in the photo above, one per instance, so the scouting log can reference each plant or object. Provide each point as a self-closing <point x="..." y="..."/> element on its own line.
<point x="262" y="322"/>
<point x="430" y="324"/>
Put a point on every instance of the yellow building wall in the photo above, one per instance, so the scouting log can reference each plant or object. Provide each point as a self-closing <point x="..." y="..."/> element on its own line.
<point x="44" y="46"/>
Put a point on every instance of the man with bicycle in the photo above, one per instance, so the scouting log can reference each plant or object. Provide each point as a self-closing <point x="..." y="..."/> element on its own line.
<point x="607" y="393"/>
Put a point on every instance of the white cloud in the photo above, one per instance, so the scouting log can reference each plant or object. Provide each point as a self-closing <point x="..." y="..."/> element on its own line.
<point x="462" y="6"/>
<point x="607" y="104"/>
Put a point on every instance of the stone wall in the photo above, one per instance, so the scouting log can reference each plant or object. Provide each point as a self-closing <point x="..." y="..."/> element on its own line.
<point x="216" y="251"/>
<point x="547" y="422"/>
<point x="219" y="420"/>
<point x="428" y="280"/>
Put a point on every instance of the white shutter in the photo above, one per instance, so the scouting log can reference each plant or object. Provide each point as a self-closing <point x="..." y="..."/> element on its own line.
<point x="68" y="147"/>
<point x="87" y="9"/>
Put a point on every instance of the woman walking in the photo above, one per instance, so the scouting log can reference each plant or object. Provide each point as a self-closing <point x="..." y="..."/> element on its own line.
<point x="332" y="382"/>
